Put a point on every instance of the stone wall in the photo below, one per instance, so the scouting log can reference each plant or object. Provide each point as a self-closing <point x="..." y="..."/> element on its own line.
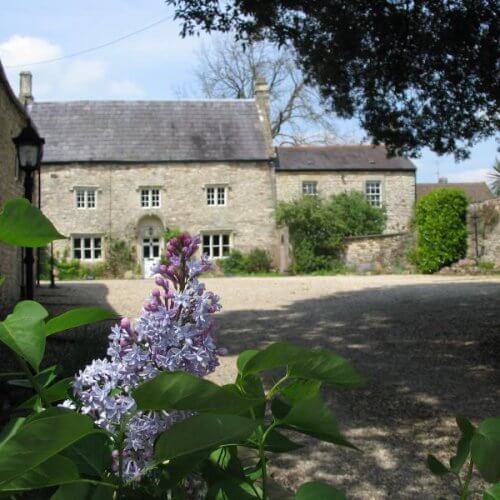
<point x="248" y="215"/>
<point x="378" y="251"/>
<point x="484" y="221"/>
<point x="12" y="120"/>
<point x="398" y="190"/>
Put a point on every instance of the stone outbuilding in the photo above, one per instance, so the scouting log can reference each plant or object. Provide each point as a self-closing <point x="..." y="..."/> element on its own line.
<point x="13" y="118"/>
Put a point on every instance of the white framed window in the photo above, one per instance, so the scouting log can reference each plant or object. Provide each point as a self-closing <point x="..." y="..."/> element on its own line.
<point x="216" y="195"/>
<point x="373" y="193"/>
<point x="309" y="188"/>
<point x="150" y="197"/>
<point x="87" y="247"/>
<point x="217" y="245"/>
<point x="86" y="197"/>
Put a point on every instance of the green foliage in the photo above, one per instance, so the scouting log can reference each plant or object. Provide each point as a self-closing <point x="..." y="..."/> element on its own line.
<point x="316" y="490"/>
<point x="77" y="317"/>
<point x="478" y="450"/>
<point x="74" y="269"/>
<point x="318" y="227"/>
<point x="22" y="224"/>
<point x="441" y="229"/>
<point x="119" y="258"/>
<point x="172" y="233"/>
<point x="486" y="266"/>
<point x="256" y="261"/>
<point x="23" y="331"/>
<point x="495" y="178"/>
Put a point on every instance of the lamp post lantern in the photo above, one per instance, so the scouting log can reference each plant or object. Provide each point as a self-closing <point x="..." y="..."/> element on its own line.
<point x="29" y="148"/>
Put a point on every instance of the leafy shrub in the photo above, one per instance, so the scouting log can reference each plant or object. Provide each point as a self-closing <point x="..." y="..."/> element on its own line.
<point x="257" y="261"/>
<point x="441" y="229"/>
<point x="72" y="269"/>
<point x="119" y="258"/>
<point x="318" y="227"/>
<point x="486" y="266"/>
<point x="234" y="263"/>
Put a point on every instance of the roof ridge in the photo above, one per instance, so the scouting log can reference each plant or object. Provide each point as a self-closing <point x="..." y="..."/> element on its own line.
<point x="131" y="101"/>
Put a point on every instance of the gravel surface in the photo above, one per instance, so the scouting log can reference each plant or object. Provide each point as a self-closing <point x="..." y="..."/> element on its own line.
<point x="429" y="346"/>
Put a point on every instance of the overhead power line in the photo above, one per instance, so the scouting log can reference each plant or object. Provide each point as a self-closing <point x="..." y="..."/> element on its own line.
<point x="91" y="49"/>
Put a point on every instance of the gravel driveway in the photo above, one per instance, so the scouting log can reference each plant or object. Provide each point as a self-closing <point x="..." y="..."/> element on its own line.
<point x="429" y="346"/>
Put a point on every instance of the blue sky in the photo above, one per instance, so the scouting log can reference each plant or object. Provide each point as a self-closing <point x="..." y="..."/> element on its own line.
<point x="155" y="64"/>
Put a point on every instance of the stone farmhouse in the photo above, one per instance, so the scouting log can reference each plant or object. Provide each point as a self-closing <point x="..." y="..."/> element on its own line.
<point x="131" y="170"/>
<point x="13" y="117"/>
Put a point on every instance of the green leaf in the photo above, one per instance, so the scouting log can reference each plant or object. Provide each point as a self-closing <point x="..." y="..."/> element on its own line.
<point x="23" y="331"/>
<point x="275" y="443"/>
<point x="232" y="489"/>
<point x="319" y="364"/>
<point x="485" y="449"/>
<point x="436" y="466"/>
<point x="44" y="378"/>
<point x="312" y="417"/>
<point x="77" y="317"/>
<point x="11" y="428"/>
<point x="492" y="493"/>
<point x="244" y="357"/>
<point x="91" y="454"/>
<point x="327" y="367"/>
<point x="85" y="490"/>
<point x="251" y="387"/>
<point x="277" y="355"/>
<point x="23" y="225"/>
<point x="463" y="447"/>
<point x="56" y="392"/>
<point x="53" y="472"/>
<point x="301" y="389"/>
<point x="38" y="440"/>
<point x="184" y="391"/>
<point x="202" y="432"/>
<point x="178" y="468"/>
<point x="316" y="490"/>
<point x="222" y="464"/>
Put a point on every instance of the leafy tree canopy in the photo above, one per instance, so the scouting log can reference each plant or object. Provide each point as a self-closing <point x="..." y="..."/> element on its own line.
<point x="415" y="73"/>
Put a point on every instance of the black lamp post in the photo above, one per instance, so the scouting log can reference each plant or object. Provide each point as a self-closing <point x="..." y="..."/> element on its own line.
<point x="29" y="147"/>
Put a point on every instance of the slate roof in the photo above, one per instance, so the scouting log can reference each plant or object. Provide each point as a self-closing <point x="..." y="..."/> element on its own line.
<point x="150" y="131"/>
<point x="475" y="191"/>
<point x="344" y="157"/>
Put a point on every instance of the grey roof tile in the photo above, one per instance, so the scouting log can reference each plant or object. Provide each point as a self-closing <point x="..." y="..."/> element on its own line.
<point x="475" y="191"/>
<point x="348" y="157"/>
<point x="150" y="131"/>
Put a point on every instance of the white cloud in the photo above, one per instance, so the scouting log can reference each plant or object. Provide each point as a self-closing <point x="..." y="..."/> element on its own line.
<point x="83" y="73"/>
<point x="67" y="79"/>
<point x="24" y="50"/>
<point x="125" y="89"/>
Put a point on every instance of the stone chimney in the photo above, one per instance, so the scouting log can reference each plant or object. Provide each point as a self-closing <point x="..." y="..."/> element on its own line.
<point x="261" y="92"/>
<point x="443" y="180"/>
<point x="25" y="88"/>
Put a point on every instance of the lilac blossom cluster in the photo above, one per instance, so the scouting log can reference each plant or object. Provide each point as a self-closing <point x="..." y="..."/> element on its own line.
<point x="174" y="332"/>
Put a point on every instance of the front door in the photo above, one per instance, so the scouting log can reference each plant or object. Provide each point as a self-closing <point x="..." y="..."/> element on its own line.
<point x="150" y="255"/>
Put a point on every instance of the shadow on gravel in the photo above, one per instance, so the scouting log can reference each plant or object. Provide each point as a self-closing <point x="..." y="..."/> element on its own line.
<point x="429" y="351"/>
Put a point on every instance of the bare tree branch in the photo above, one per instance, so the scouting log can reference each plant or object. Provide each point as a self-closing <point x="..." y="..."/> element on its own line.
<point x="228" y="69"/>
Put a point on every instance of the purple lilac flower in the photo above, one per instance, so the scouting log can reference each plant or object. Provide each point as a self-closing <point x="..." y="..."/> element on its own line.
<point x="175" y="331"/>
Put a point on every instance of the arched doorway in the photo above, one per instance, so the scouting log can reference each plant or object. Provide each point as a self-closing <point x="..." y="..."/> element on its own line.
<point x="149" y="243"/>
